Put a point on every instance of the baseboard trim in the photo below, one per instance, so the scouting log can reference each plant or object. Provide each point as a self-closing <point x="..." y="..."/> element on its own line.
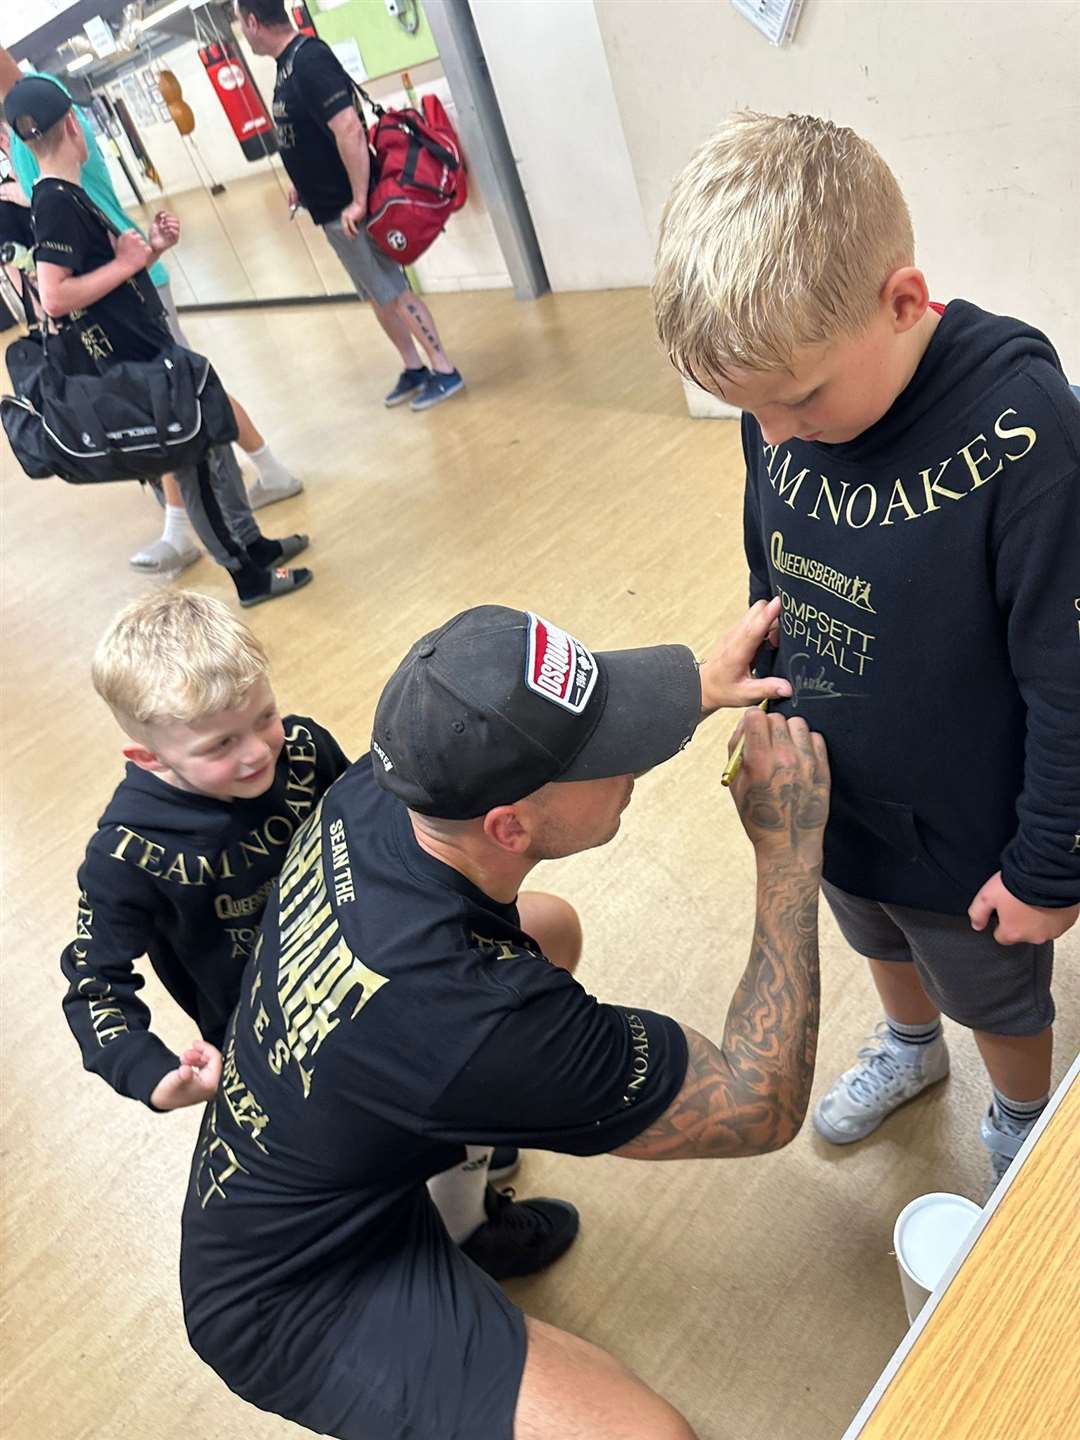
<point x="203" y="307"/>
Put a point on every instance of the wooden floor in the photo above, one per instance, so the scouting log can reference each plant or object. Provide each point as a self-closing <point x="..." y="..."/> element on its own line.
<point x="760" y="1296"/>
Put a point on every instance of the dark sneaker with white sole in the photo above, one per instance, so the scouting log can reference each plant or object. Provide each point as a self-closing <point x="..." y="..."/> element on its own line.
<point x="521" y="1237"/>
<point x="438" y="388"/>
<point x="409" y="383"/>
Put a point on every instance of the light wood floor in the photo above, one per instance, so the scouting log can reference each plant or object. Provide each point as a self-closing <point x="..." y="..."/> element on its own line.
<point x="760" y="1296"/>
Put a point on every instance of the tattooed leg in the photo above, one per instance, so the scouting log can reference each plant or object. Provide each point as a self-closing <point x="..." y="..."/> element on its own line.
<point x="399" y="332"/>
<point x="418" y="318"/>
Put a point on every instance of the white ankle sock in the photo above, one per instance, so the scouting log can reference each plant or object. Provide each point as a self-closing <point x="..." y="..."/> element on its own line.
<point x="178" y="532"/>
<point x="917" y="1036"/>
<point x="271" y="471"/>
<point x="1017" y="1115"/>
<point x="459" y="1193"/>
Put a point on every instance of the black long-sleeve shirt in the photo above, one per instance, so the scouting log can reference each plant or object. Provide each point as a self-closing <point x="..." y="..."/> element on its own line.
<point x="929" y="572"/>
<point x="183" y="879"/>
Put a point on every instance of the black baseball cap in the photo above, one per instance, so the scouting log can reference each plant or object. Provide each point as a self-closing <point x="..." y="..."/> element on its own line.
<point x="498" y="702"/>
<point x="34" y="105"/>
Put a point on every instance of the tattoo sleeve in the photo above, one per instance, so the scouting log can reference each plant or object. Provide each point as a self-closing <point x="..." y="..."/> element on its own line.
<point x="749" y="1095"/>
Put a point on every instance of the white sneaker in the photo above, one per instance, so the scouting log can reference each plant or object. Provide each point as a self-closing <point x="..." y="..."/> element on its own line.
<point x="1003" y="1138"/>
<point x="887" y="1076"/>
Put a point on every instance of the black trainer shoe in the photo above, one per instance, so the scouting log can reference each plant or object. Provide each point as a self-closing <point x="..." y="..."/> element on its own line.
<point x="504" y="1162"/>
<point x="521" y="1237"/>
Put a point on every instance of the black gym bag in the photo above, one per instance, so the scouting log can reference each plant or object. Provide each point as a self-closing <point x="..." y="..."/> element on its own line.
<point x="133" y="420"/>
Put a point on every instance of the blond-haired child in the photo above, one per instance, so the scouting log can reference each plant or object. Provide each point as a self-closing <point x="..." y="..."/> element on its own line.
<point x="192" y="840"/>
<point x="913" y="498"/>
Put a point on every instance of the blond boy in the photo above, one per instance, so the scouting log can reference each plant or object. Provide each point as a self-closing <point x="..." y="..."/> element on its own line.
<point x="192" y="840"/>
<point x="913" y="498"/>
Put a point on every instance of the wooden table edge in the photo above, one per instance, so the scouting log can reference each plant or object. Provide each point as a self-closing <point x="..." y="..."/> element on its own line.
<point x="906" y="1345"/>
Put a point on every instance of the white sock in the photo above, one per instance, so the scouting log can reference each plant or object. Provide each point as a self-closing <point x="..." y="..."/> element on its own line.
<point x="459" y="1193"/>
<point x="271" y="471"/>
<point x="178" y="532"/>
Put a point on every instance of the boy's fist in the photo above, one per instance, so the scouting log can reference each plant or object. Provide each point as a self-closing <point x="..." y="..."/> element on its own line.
<point x="1017" y="923"/>
<point x="164" y="232"/>
<point x="193" y="1082"/>
<point x="133" y="252"/>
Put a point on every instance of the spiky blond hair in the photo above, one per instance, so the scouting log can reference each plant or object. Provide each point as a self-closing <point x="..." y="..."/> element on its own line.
<point x="779" y="234"/>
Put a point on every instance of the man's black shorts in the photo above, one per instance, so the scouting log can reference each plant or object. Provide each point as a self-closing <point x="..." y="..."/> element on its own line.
<point x="427" y="1347"/>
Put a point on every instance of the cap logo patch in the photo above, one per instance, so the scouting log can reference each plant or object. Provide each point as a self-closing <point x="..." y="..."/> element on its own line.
<point x="558" y="667"/>
<point x="388" y="764"/>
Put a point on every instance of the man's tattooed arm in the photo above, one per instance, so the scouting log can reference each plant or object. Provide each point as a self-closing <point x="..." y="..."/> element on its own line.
<point x="749" y="1095"/>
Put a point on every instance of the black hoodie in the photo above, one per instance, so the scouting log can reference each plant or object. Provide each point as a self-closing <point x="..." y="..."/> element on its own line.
<point x="929" y="572"/>
<point x="182" y="878"/>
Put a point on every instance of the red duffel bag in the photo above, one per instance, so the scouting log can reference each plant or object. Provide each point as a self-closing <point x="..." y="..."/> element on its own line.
<point x="417" y="178"/>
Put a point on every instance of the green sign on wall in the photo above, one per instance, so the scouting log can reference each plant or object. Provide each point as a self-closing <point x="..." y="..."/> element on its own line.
<point x="384" y="43"/>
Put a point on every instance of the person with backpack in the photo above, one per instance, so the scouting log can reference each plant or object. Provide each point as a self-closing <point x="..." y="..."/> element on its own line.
<point x="177" y="546"/>
<point x="93" y="280"/>
<point x="324" y="146"/>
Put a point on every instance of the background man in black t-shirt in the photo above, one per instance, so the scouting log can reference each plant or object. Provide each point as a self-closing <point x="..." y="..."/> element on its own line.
<point x="396" y="1008"/>
<point x="324" y="148"/>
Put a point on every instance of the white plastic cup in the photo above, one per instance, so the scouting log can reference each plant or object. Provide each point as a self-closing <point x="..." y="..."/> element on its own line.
<point x="927" y="1235"/>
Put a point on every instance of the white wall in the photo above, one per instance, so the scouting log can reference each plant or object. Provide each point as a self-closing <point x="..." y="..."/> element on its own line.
<point x="551" y="77"/>
<point x="975" y="105"/>
<point x="213" y="134"/>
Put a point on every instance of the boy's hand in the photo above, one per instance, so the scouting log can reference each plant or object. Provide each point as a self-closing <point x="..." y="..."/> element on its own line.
<point x="726" y="681"/>
<point x="294" y="198"/>
<point x="164" y="232"/>
<point x="133" y="252"/>
<point x="1017" y="923"/>
<point x="194" y="1081"/>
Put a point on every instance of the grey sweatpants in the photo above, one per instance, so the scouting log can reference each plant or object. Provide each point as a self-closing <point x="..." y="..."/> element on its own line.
<point x="238" y="527"/>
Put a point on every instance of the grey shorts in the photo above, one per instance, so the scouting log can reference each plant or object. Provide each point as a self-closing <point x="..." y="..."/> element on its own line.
<point x="165" y="295"/>
<point x="375" y="276"/>
<point x="1004" y="989"/>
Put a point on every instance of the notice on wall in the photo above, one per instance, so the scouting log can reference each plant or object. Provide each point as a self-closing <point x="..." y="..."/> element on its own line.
<point x="348" y="52"/>
<point x="100" y="36"/>
<point x="776" y="19"/>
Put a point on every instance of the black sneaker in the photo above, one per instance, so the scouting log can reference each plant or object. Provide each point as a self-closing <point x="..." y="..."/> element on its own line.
<point x="504" y="1162"/>
<point x="409" y="383"/>
<point x="521" y="1237"/>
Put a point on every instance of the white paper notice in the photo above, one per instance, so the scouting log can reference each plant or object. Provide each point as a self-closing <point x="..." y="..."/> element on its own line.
<point x="348" y="52"/>
<point x="774" y="18"/>
<point x="100" y="36"/>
